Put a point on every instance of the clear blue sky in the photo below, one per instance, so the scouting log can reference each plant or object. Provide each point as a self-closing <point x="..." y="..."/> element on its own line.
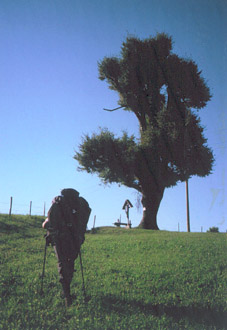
<point x="50" y="95"/>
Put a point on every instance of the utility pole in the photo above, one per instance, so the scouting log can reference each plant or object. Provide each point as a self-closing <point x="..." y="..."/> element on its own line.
<point x="94" y="222"/>
<point x="187" y="206"/>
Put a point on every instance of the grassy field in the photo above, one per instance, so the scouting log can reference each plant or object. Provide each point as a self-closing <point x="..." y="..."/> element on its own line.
<point x="135" y="279"/>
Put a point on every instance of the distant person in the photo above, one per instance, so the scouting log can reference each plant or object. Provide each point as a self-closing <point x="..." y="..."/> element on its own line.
<point x="66" y="226"/>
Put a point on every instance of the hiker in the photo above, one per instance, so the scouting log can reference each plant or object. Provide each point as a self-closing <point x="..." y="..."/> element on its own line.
<point x="66" y="225"/>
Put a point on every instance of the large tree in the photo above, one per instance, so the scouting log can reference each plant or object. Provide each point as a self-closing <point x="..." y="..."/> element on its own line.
<point x="164" y="91"/>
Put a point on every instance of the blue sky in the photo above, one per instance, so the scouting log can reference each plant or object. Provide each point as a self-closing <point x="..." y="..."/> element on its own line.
<point x="50" y="95"/>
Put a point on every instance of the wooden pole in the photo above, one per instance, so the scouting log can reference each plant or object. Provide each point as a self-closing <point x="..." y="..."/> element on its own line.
<point x="127" y="213"/>
<point x="30" y="211"/>
<point x="94" y="221"/>
<point x="187" y="206"/>
<point x="44" y="209"/>
<point x="10" y="207"/>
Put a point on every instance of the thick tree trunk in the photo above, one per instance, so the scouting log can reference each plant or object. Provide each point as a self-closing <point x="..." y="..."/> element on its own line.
<point x="152" y="189"/>
<point x="151" y="202"/>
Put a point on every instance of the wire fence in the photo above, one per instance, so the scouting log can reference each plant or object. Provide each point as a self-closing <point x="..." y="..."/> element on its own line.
<point x="29" y="208"/>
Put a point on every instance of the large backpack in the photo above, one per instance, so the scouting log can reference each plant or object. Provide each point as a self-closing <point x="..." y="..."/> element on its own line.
<point x="74" y="216"/>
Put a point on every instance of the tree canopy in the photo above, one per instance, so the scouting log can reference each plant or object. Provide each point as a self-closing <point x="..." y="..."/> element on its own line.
<point x="164" y="91"/>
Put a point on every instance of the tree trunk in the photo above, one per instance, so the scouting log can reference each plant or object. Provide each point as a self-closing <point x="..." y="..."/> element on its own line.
<point x="151" y="202"/>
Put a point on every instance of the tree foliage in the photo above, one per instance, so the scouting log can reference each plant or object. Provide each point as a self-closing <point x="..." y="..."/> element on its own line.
<point x="113" y="159"/>
<point x="213" y="230"/>
<point x="163" y="91"/>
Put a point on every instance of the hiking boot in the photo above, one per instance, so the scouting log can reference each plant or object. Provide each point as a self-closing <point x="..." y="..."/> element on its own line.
<point x="66" y="289"/>
<point x="68" y="301"/>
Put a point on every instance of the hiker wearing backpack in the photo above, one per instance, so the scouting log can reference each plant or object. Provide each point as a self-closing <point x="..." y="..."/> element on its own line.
<point x="66" y="226"/>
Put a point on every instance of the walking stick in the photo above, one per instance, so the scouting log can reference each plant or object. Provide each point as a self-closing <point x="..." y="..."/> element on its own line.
<point x="82" y="273"/>
<point x="44" y="262"/>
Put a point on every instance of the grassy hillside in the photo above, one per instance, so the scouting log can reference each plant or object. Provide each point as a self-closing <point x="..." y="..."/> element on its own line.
<point x="135" y="279"/>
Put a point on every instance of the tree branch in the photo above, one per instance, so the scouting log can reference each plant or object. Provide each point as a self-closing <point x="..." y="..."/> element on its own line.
<point x="113" y="109"/>
<point x="133" y="185"/>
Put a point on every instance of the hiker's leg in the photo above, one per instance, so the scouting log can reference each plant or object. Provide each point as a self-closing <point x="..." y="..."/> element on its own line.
<point x="62" y="266"/>
<point x="65" y="270"/>
<point x="69" y="270"/>
<point x="66" y="257"/>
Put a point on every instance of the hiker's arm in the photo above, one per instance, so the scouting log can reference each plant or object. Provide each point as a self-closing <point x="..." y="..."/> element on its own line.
<point x="46" y="224"/>
<point x="55" y="216"/>
<point x="52" y="219"/>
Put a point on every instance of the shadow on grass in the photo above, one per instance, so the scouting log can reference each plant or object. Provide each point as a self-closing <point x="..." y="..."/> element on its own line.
<point x="203" y="316"/>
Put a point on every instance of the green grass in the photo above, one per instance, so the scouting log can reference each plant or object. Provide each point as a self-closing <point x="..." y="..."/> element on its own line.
<point x="135" y="279"/>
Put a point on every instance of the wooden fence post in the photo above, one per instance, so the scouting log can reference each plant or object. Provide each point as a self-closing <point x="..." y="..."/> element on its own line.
<point x="30" y="211"/>
<point x="44" y="209"/>
<point x="11" y="204"/>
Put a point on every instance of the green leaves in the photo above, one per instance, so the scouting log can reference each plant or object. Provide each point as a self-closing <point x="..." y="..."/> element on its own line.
<point x="160" y="88"/>
<point x="113" y="159"/>
<point x="144" y="67"/>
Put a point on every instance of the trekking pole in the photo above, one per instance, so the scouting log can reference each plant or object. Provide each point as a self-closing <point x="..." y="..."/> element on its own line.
<point x="44" y="262"/>
<point x="82" y="273"/>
